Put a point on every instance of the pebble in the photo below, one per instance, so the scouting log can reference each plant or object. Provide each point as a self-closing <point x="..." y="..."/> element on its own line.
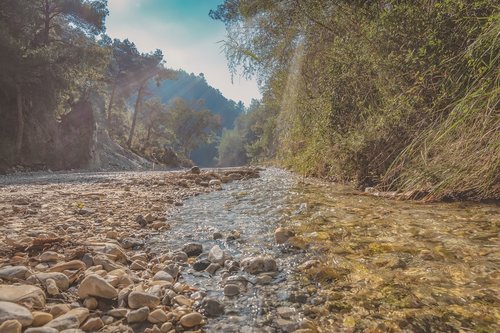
<point x="138" y="299"/>
<point x="69" y="320"/>
<point x="51" y="286"/>
<point x="90" y="303"/>
<point x="59" y="309"/>
<point x="193" y="249"/>
<point x="191" y="320"/>
<point x="92" y="325"/>
<point x="157" y="316"/>
<point x="41" y="318"/>
<point x="61" y="280"/>
<point x="23" y="294"/>
<point x="49" y="256"/>
<point x="73" y="265"/>
<point x="201" y="265"/>
<point x="163" y="276"/>
<point x="13" y="273"/>
<point x="94" y="285"/>
<point x="281" y="235"/>
<point x="118" y="313"/>
<point x="216" y="255"/>
<point x="41" y="330"/>
<point x="13" y="311"/>
<point x="256" y="265"/>
<point x="137" y="316"/>
<point x="11" y="326"/>
<point x="231" y="290"/>
<point x="212" y="307"/>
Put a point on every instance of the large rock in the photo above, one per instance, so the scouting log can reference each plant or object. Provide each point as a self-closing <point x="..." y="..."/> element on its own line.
<point x="41" y="318"/>
<point x="138" y="299"/>
<point x="23" y="294"/>
<point x="256" y="265"/>
<point x="69" y="320"/>
<point x="13" y="273"/>
<point x="137" y="316"/>
<point x="212" y="307"/>
<point x="61" y="280"/>
<point x="94" y="285"/>
<point x="106" y="263"/>
<point x="13" y="311"/>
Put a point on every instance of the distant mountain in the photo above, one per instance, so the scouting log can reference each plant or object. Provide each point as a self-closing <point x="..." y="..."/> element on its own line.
<point x="191" y="87"/>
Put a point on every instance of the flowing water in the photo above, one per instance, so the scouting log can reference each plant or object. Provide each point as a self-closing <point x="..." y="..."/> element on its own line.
<point x="371" y="264"/>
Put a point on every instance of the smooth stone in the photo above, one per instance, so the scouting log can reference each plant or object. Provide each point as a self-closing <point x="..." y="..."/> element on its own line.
<point x="138" y="299"/>
<point x="214" y="182"/>
<point x="183" y="300"/>
<point x="138" y="265"/>
<point x="191" y="320"/>
<point x="92" y="325"/>
<point x="231" y="290"/>
<point x="107" y="320"/>
<point x="212" y="307"/>
<point x="41" y="330"/>
<point x="201" y="265"/>
<point x="11" y="273"/>
<point x="118" y="313"/>
<point x="285" y="312"/>
<point x="106" y="263"/>
<point x="11" y="326"/>
<point x="163" y="276"/>
<point x="41" y="318"/>
<point x="72" y="319"/>
<point x="60" y="279"/>
<point x="217" y="235"/>
<point x="13" y="311"/>
<point x="51" y="286"/>
<point x="72" y="330"/>
<point x="59" y="309"/>
<point x="216" y="255"/>
<point x="73" y="265"/>
<point x="90" y="303"/>
<point x="94" y="285"/>
<point x="212" y="268"/>
<point x="115" y="250"/>
<point x="137" y="316"/>
<point x="157" y="316"/>
<point x="256" y="265"/>
<point x="193" y="249"/>
<point x="49" y="256"/>
<point x="167" y="327"/>
<point x="281" y="235"/>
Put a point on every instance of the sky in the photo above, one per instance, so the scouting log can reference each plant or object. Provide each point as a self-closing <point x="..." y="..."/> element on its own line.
<point x="185" y="33"/>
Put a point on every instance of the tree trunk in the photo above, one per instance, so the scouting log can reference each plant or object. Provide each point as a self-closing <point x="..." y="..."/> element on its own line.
<point x="110" y="105"/>
<point x="136" y="111"/>
<point x="20" y="120"/>
<point x="149" y="135"/>
<point x="46" y="28"/>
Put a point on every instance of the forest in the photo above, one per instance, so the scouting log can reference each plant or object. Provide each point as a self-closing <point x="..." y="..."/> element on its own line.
<point x="67" y="88"/>
<point x="402" y="95"/>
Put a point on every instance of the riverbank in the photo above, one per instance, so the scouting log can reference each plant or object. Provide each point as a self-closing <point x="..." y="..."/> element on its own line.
<point x="73" y="251"/>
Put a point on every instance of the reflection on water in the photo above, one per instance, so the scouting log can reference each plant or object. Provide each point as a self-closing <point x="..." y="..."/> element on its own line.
<point x="401" y="266"/>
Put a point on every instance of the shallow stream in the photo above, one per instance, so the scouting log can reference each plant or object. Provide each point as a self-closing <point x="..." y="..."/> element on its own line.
<point x="372" y="264"/>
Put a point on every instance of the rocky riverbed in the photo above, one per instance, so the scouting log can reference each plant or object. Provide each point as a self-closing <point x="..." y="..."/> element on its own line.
<point x="75" y="254"/>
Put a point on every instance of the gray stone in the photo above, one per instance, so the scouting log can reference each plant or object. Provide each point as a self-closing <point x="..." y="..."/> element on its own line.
<point x="139" y="315"/>
<point x="212" y="268"/>
<point x="231" y="290"/>
<point x="201" y="265"/>
<point x="212" y="307"/>
<point x="13" y="311"/>
<point x="41" y="330"/>
<point x="193" y="249"/>
<point x="11" y="273"/>
<point x="216" y="255"/>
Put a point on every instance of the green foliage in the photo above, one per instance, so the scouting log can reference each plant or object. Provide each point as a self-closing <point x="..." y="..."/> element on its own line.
<point x="398" y="93"/>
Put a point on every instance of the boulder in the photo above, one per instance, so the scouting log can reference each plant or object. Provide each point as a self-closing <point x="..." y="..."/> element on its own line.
<point x="23" y="294"/>
<point x="94" y="285"/>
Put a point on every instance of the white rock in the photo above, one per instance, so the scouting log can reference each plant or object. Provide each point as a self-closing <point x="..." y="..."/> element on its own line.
<point x="216" y="255"/>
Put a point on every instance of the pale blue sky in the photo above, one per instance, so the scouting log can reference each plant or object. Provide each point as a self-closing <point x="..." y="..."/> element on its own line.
<point x="185" y="33"/>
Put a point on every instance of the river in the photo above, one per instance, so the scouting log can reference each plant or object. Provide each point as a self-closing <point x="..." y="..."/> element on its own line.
<point x="358" y="264"/>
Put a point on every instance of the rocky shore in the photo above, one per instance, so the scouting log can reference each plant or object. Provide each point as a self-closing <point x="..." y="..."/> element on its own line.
<point x="73" y="255"/>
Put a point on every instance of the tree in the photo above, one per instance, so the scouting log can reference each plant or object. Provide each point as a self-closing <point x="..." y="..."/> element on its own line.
<point x="151" y="68"/>
<point x="191" y="125"/>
